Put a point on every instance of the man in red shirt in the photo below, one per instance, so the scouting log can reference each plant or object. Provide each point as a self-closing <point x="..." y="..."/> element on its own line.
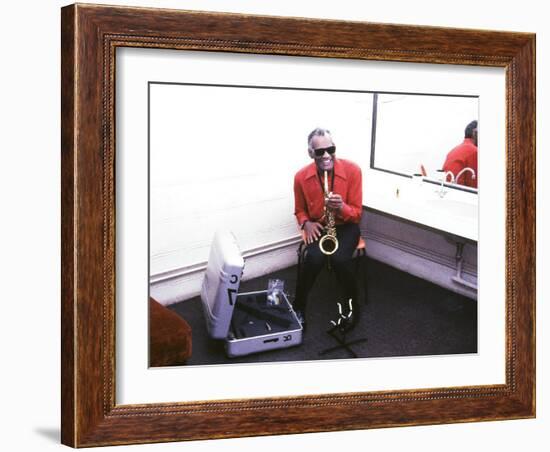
<point x="464" y="156"/>
<point x="345" y="200"/>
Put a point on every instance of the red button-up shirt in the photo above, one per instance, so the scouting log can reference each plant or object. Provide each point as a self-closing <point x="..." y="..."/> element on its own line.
<point x="463" y="156"/>
<point x="309" y="197"/>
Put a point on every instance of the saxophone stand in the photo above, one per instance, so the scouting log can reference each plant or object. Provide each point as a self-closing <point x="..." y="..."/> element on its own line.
<point x="339" y="330"/>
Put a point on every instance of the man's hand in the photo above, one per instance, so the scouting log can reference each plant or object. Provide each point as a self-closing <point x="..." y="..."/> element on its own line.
<point x="334" y="201"/>
<point x="313" y="231"/>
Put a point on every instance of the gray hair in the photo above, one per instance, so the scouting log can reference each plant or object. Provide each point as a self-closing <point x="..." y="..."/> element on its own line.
<point x="317" y="132"/>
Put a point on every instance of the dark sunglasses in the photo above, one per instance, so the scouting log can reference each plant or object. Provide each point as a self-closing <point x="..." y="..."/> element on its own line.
<point x="321" y="151"/>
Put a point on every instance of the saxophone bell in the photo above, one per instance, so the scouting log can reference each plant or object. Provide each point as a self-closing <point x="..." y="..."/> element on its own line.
<point x="328" y="244"/>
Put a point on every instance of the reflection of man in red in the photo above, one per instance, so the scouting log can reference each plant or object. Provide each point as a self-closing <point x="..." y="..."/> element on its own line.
<point x="464" y="156"/>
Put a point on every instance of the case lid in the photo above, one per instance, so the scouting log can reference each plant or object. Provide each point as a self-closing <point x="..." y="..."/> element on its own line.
<point x="221" y="283"/>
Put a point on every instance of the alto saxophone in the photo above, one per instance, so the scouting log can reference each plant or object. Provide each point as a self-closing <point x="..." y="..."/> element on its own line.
<point x="328" y="243"/>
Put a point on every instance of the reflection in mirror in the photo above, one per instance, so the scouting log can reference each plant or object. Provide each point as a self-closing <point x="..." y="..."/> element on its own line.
<point x="427" y="136"/>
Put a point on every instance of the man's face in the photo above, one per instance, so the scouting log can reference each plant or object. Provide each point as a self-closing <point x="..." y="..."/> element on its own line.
<point x="326" y="161"/>
<point x="474" y="136"/>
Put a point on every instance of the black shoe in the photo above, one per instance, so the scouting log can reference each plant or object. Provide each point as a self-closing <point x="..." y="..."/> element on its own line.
<point x="350" y="315"/>
<point x="301" y="318"/>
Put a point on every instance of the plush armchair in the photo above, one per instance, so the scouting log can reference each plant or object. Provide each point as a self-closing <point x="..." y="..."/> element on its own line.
<point x="169" y="336"/>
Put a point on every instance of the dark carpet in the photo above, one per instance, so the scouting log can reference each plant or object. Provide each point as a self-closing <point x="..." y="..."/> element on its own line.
<point x="403" y="316"/>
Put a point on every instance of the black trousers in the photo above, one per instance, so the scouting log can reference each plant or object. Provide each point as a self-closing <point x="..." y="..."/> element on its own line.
<point x="341" y="262"/>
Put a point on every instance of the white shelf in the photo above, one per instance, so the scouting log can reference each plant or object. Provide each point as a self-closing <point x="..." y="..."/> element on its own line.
<point x="455" y="213"/>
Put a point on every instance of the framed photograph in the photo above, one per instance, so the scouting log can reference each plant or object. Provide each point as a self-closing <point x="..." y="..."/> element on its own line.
<point x="280" y="225"/>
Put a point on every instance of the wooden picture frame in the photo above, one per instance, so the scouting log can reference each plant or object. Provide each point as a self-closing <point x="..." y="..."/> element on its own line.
<point x="90" y="36"/>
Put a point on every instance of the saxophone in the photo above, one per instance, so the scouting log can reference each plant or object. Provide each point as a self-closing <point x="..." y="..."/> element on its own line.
<point x="328" y="243"/>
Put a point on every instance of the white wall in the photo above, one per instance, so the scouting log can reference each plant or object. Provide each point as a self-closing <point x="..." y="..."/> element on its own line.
<point x="422" y="252"/>
<point x="30" y="228"/>
<point x="225" y="157"/>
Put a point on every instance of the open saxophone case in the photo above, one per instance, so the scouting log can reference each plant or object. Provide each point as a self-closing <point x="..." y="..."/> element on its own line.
<point x="245" y="321"/>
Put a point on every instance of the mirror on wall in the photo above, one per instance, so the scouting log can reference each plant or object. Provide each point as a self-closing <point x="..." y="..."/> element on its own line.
<point x="434" y="136"/>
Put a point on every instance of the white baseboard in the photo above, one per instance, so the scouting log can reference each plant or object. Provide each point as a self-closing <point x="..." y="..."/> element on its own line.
<point x="182" y="284"/>
<point x="409" y="248"/>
